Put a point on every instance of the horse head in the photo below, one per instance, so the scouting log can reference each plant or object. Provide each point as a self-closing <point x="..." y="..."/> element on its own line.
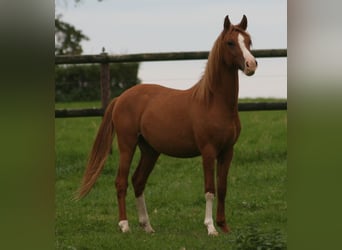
<point x="235" y="47"/>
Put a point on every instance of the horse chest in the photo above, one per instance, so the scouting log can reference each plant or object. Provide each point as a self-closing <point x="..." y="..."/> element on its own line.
<point x="231" y="132"/>
<point x="222" y="132"/>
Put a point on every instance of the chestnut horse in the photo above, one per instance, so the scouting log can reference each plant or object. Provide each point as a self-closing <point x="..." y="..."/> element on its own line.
<point x="202" y="120"/>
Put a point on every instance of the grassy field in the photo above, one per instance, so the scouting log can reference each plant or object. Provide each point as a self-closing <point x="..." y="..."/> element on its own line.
<point x="255" y="206"/>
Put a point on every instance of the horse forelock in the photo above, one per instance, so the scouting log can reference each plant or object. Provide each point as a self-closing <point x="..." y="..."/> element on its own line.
<point x="241" y="31"/>
<point x="238" y="29"/>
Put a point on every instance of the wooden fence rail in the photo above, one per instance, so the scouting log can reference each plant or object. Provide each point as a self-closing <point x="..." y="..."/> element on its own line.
<point x="104" y="60"/>
<point x="93" y="112"/>
<point x="148" y="57"/>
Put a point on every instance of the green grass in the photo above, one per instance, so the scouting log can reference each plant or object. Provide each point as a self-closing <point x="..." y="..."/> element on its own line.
<point x="255" y="206"/>
<point x="76" y="105"/>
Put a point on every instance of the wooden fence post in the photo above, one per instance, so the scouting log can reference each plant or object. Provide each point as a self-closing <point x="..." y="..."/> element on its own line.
<point x="105" y="82"/>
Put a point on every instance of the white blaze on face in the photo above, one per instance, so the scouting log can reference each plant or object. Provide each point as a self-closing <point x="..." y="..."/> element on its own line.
<point x="250" y="62"/>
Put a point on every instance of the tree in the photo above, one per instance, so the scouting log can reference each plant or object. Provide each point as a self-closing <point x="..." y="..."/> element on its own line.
<point x="67" y="38"/>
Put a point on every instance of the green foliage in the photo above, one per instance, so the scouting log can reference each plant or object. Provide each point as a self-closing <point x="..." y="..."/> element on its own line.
<point x="252" y="238"/>
<point x="67" y="38"/>
<point x="82" y="82"/>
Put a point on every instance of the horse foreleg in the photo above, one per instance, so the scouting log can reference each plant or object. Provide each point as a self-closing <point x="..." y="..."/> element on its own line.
<point x="223" y="165"/>
<point x="208" y="220"/>
<point x="209" y="182"/>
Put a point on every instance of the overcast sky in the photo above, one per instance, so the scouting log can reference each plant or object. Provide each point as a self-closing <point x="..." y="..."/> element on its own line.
<point x="132" y="26"/>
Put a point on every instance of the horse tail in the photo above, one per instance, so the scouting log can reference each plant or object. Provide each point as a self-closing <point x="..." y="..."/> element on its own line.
<point x="99" y="152"/>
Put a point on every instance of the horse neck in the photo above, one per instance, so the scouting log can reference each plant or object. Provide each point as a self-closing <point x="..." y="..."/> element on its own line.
<point x="223" y="85"/>
<point x="227" y="88"/>
<point x="219" y="84"/>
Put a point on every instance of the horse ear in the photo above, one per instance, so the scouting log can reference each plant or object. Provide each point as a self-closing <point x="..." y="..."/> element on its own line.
<point x="226" y="24"/>
<point x="243" y="23"/>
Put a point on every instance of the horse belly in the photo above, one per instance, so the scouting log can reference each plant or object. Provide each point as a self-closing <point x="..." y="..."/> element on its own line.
<point x="178" y="148"/>
<point x="170" y="138"/>
<point x="175" y="149"/>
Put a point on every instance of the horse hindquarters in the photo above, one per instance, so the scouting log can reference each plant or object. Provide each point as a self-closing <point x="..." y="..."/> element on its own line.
<point x="127" y="116"/>
<point x="127" y="141"/>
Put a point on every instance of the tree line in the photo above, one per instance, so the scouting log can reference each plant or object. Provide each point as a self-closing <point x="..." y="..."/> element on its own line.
<point x="82" y="82"/>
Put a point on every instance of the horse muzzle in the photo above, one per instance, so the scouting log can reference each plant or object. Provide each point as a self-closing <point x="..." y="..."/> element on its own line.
<point x="250" y="67"/>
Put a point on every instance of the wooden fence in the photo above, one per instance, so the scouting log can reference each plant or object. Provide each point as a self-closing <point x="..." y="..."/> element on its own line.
<point x="104" y="59"/>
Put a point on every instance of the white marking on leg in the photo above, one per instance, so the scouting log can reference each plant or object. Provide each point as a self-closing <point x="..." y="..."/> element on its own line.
<point x="249" y="58"/>
<point x="144" y="220"/>
<point x="208" y="220"/>
<point x="123" y="224"/>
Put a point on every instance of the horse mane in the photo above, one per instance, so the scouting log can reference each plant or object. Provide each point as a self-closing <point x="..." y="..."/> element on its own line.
<point x="203" y="89"/>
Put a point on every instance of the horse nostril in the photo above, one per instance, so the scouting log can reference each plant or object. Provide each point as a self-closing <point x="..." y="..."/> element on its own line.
<point x="247" y="64"/>
<point x="256" y="63"/>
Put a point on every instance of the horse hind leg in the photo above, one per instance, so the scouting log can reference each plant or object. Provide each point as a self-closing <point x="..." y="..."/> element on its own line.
<point x="121" y="183"/>
<point x="144" y="219"/>
<point x="147" y="161"/>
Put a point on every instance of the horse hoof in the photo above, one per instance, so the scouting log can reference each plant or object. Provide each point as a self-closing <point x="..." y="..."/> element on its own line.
<point x="124" y="226"/>
<point x="224" y="227"/>
<point x="213" y="233"/>
<point x="147" y="227"/>
<point x="211" y="230"/>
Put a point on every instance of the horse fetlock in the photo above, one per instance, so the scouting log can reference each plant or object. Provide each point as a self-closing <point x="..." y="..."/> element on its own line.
<point x="124" y="227"/>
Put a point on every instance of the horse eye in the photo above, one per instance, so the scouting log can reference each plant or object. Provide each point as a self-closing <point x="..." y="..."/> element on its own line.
<point x="231" y="43"/>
